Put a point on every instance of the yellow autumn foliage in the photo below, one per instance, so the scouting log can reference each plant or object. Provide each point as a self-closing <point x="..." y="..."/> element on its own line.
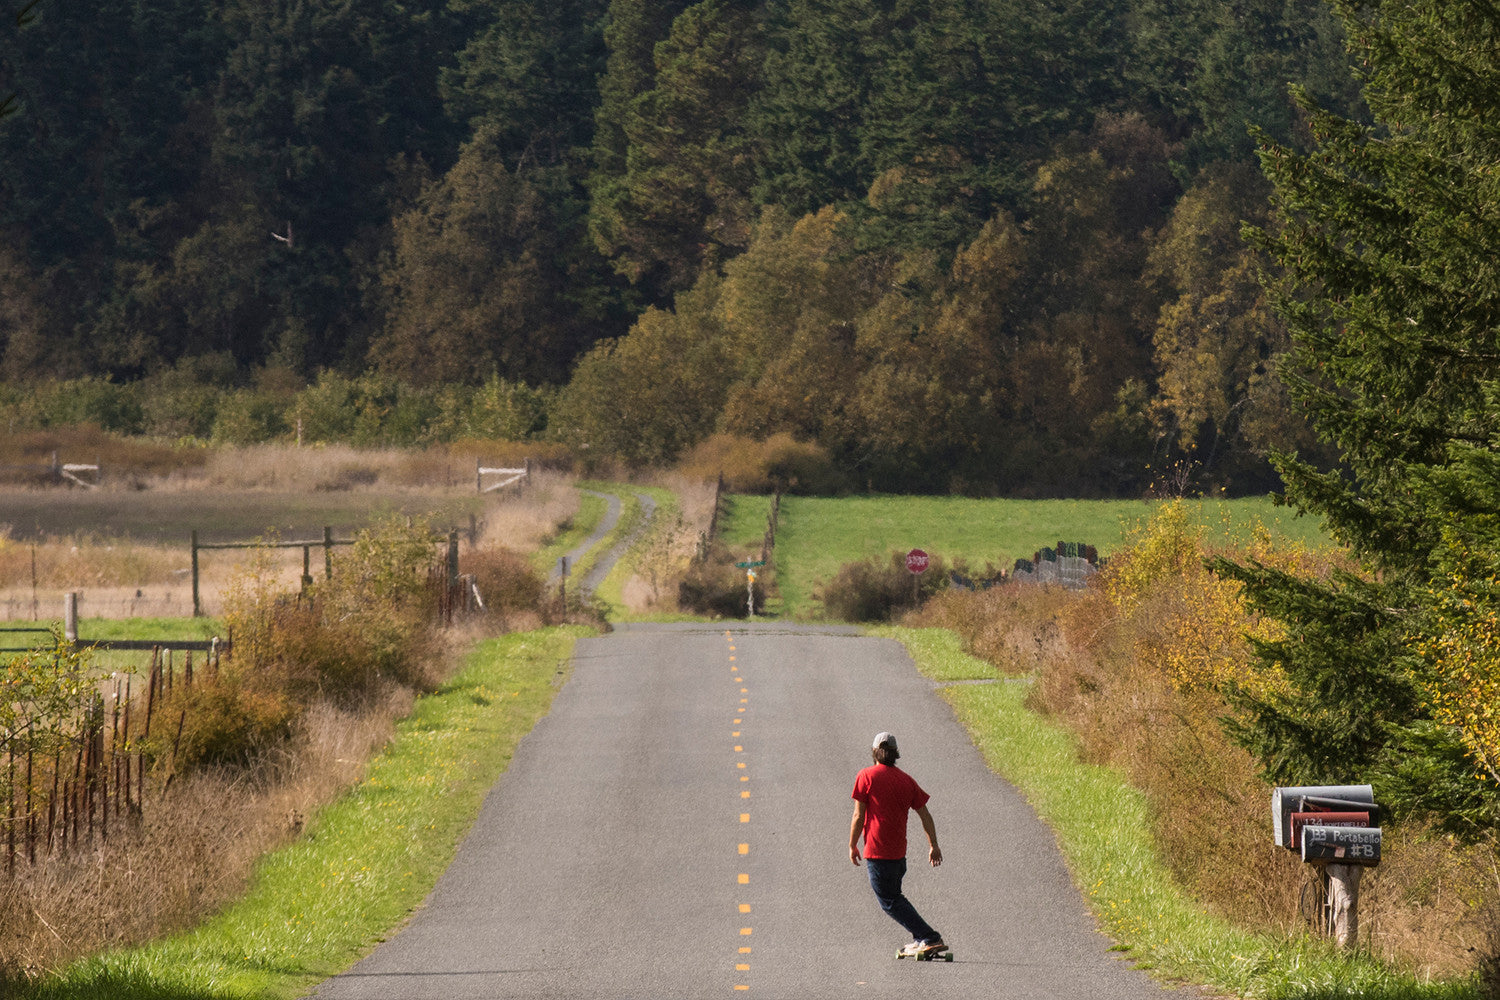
<point x="1201" y="624"/>
<point x="1462" y="651"/>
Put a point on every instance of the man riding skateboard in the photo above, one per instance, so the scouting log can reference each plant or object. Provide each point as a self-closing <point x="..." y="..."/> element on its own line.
<point x="883" y="795"/>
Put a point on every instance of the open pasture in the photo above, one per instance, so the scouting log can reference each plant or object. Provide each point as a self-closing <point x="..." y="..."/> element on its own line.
<point x="818" y="535"/>
<point x="128" y="552"/>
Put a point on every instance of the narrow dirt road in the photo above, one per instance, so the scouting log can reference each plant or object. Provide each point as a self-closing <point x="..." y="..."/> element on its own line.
<point x="677" y="827"/>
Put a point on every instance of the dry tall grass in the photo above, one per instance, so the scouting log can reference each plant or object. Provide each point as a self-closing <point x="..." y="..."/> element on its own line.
<point x="1114" y="672"/>
<point x="118" y="577"/>
<point x="193" y="848"/>
<point x="667" y="551"/>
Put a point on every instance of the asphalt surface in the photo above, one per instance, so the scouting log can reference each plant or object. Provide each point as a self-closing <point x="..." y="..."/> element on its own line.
<point x="678" y="825"/>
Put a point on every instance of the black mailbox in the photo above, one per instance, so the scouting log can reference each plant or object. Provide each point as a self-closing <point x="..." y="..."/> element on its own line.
<point x="1345" y="845"/>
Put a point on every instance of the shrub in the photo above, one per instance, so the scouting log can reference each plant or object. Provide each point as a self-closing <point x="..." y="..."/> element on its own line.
<point x="224" y="720"/>
<point x="715" y="586"/>
<point x="250" y="416"/>
<point x="366" y="626"/>
<point x="505" y="579"/>
<point x="91" y="400"/>
<point x="780" y="462"/>
<point x="875" y="590"/>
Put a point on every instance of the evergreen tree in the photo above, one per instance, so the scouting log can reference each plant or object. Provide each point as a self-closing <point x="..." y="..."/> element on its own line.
<point x="478" y="281"/>
<point x="682" y="202"/>
<point x="1393" y="305"/>
<point x="632" y="30"/>
<point x="529" y="71"/>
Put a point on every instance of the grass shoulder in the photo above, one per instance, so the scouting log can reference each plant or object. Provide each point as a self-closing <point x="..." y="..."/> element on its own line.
<point x="1103" y="829"/>
<point x="591" y="510"/>
<point x="367" y="860"/>
<point x="663" y="519"/>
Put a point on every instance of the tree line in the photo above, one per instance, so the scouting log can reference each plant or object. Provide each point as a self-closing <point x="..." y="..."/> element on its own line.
<point x="988" y="245"/>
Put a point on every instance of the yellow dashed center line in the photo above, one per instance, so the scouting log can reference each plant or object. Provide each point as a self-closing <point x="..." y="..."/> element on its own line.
<point x="743" y="878"/>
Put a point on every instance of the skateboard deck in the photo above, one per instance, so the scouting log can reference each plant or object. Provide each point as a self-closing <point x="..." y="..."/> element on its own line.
<point x="941" y="955"/>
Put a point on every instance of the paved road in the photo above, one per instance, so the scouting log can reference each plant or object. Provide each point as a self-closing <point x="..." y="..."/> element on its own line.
<point x="677" y="827"/>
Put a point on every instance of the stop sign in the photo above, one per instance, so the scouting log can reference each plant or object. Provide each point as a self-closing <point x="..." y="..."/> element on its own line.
<point x="916" y="561"/>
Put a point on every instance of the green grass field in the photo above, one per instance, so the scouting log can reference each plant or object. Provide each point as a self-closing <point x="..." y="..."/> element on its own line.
<point x="818" y="535"/>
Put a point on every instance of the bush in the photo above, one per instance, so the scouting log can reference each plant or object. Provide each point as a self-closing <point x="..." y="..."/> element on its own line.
<point x="715" y="586"/>
<point x="505" y="579"/>
<point x="873" y="590"/>
<point x="100" y="402"/>
<point x="780" y="462"/>
<point x="224" y="720"/>
<point x="250" y="416"/>
<point x="367" y="625"/>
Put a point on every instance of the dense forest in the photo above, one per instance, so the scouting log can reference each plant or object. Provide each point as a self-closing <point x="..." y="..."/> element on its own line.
<point x="982" y="245"/>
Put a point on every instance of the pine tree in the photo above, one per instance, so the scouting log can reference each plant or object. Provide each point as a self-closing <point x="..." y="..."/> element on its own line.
<point x="1391" y="294"/>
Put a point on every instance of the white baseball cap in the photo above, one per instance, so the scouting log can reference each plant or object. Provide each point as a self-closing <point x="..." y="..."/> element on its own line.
<point x="883" y="739"/>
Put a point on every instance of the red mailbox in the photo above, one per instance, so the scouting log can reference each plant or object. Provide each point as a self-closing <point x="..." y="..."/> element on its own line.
<point x="1304" y="819"/>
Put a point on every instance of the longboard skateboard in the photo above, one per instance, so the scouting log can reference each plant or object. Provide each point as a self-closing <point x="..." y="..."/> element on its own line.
<point x="937" y="955"/>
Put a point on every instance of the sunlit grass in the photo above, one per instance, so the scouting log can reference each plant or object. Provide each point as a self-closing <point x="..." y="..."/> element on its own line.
<point x="591" y="511"/>
<point x="1103" y="829"/>
<point x="818" y="535"/>
<point x="367" y="860"/>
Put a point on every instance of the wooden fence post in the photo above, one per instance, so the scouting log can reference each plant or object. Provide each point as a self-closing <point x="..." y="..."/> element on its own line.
<point x="197" y="607"/>
<point x="327" y="552"/>
<point x="452" y="558"/>
<point x="70" y="616"/>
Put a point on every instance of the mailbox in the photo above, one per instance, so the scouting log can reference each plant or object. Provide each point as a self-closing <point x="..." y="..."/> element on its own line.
<point x="1346" y="845"/>
<point x="1316" y="798"/>
<point x="1302" y="820"/>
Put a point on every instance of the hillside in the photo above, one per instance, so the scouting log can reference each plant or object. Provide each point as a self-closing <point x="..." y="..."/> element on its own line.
<point x="1013" y="225"/>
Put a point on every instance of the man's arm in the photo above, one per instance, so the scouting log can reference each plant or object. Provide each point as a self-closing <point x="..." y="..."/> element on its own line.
<point x="934" y="853"/>
<point x="856" y="827"/>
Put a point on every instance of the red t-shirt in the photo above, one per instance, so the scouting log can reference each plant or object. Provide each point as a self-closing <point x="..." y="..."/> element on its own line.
<point x="888" y="793"/>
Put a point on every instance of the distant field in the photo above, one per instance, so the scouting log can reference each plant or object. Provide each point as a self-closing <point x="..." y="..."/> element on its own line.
<point x="819" y="535"/>
<point x="168" y="517"/>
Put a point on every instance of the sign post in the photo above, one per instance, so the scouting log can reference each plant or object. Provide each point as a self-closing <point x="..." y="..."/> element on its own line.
<point x="916" y="564"/>
<point x="749" y="567"/>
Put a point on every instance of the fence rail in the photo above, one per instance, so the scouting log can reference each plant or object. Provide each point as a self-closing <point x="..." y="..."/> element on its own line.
<point x="212" y="646"/>
<point x="327" y="542"/>
<point x="59" y="472"/>
<point x="512" y="476"/>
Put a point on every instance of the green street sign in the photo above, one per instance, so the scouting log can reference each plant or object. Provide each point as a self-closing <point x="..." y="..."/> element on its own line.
<point x="750" y="565"/>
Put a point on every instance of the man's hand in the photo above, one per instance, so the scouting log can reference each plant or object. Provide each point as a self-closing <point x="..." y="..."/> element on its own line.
<point x="854" y="854"/>
<point x="929" y="827"/>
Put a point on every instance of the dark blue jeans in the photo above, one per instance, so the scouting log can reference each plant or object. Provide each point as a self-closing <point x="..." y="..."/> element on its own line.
<point x="885" y="879"/>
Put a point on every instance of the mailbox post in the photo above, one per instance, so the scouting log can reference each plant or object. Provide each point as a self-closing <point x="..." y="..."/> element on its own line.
<point x="1329" y="826"/>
